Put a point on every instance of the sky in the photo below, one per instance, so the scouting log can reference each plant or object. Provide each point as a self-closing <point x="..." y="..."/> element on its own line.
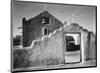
<point x="83" y="15"/>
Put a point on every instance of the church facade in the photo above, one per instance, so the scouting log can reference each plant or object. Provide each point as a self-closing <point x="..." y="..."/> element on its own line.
<point x="41" y="25"/>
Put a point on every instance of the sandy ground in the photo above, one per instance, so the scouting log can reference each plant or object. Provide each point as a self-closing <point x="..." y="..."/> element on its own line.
<point x="72" y="57"/>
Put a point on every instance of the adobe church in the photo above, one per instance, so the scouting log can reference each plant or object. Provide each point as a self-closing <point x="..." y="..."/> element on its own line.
<point x="39" y="26"/>
<point x="49" y="42"/>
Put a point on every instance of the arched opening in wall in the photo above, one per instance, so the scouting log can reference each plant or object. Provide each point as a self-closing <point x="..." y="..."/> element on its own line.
<point x="45" y="31"/>
<point x="72" y="47"/>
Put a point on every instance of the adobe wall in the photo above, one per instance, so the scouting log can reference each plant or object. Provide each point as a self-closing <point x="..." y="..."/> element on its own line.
<point x="87" y="45"/>
<point x="48" y="51"/>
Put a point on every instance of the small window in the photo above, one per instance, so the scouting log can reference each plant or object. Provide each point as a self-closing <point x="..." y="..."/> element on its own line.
<point x="45" y="31"/>
<point x="45" y="20"/>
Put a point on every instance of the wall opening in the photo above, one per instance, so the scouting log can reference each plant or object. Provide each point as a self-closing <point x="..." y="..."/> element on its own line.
<point x="72" y="52"/>
<point x="45" y="31"/>
<point x="45" y="20"/>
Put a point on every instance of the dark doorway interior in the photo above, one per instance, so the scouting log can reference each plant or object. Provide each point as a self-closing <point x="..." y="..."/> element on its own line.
<point x="70" y="44"/>
<point x="45" y="31"/>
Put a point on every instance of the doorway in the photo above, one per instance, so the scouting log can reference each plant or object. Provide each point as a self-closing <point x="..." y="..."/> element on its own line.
<point x="72" y="51"/>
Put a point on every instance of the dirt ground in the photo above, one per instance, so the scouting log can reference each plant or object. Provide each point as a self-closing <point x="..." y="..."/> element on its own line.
<point x="72" y="57"/>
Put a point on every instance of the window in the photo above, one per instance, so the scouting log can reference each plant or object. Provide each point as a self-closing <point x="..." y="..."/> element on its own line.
<point x="45" y="20"/>
<point x="45" y="31"/>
